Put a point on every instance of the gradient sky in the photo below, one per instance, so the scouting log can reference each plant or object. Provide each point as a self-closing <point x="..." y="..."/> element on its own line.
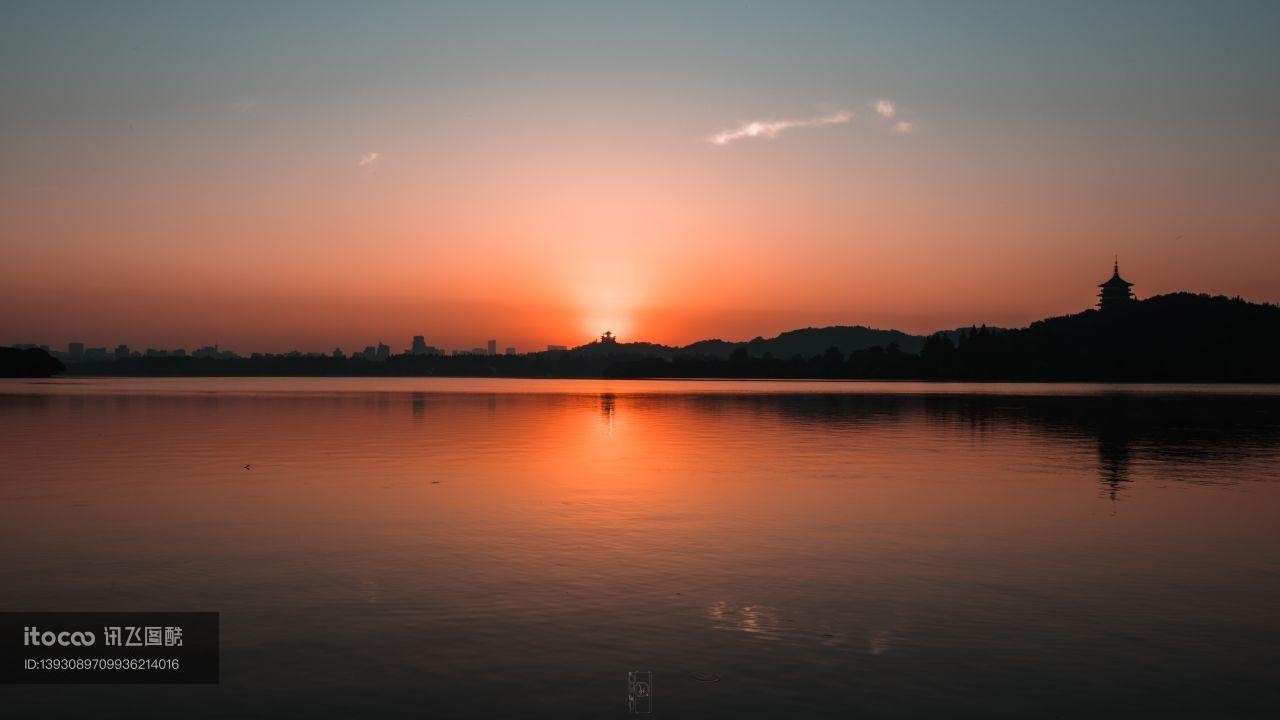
<point x="274" y="176"/>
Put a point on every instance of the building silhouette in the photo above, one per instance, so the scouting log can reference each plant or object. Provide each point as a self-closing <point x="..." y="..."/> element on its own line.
<point x="1115" y="292"/>
<point x="384" y="352"/>
<point x="493" y="347"/>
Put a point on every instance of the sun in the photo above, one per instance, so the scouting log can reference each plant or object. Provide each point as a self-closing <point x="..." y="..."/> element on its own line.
<point x="608" y="301"/>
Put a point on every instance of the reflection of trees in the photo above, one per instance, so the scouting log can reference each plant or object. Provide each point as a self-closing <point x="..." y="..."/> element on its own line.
<point x="1182" y="427"/>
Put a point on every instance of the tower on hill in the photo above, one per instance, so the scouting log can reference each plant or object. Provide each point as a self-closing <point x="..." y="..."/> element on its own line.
<point x="1116" y="292"/>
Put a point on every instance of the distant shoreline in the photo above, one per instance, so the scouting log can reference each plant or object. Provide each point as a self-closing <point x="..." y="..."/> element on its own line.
<point x="931" y="381"/>
<point x="1240" y="387"/>
<point x="1176" y="338"/>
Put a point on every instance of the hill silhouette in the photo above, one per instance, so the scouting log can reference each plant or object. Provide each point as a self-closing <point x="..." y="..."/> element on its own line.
<point x="812" y="341"/>
<point x="805" y="342"/>
<point x="1180" y="337"/>
<point x="28" y="363"/>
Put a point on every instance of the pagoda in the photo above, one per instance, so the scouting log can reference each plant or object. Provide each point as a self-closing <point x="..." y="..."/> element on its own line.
<point x="1115" y="292"/>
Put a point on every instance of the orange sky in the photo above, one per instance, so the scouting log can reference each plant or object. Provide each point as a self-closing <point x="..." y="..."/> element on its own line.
<point x="175" y="186"/>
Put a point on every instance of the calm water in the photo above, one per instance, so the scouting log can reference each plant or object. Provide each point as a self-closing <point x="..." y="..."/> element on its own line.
<point x="459" y="548"/>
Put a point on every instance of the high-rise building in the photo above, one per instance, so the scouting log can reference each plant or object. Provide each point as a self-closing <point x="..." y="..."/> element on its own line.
<point x="493" y="347"/>
<point x="384" y="352"/>
<point x="75" y="351"/>
<point x="122" y="351"/>
<point x="419" y="345"/>
<point x="370" y="353"/>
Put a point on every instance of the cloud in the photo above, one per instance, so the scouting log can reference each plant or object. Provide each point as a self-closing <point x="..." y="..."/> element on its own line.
<point x="770" y="129"/>
<point x="891" y="116"/>
<point x="368" y="159"/>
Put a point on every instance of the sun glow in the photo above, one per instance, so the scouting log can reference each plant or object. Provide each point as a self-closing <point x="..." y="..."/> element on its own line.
<point x="610" y="293"/>
<point x="599" y="325"/>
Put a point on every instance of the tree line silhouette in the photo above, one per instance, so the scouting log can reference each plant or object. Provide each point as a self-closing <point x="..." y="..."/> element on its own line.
<point x="28" y="363"/>
<point x="1169" y="338"/>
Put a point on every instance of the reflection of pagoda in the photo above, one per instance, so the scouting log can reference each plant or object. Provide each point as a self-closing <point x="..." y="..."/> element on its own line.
<point x="1115" y="431"/>
<point x="1113" y="461"/>
<point x="1115" y="292"/>
<point x="606" y="410"/>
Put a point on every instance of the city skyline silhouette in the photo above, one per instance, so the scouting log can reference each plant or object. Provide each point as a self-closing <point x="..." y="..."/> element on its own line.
<point x="1114" y="295"/>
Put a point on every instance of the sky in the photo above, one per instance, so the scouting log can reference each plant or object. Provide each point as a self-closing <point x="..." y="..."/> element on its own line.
<point x="272" y="176"/>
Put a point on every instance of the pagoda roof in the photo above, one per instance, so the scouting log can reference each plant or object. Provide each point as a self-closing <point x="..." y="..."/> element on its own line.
<point x="1116" y="281"/>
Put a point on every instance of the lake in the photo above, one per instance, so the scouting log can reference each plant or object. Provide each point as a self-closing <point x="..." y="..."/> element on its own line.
<point x="513" y="548"/>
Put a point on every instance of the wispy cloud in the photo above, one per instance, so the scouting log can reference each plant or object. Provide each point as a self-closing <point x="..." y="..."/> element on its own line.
<point x="891" y="116"/>
<point x="770" y="129"/>
<point x="368" y="159"/>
